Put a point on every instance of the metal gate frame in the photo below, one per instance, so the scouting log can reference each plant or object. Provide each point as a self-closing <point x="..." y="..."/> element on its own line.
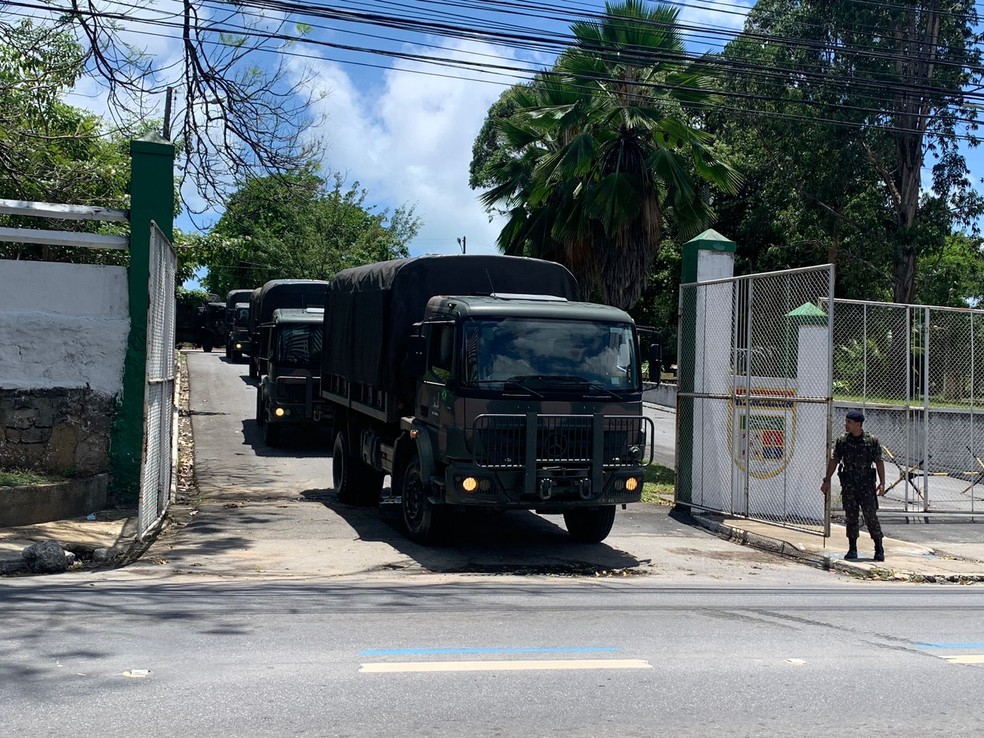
<point x="760" y="329"/>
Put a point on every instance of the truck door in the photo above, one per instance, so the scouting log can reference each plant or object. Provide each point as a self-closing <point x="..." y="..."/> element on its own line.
<point x="435" y="400"/>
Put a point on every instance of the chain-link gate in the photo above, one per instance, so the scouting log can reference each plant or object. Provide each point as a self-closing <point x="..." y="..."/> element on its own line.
<point x="157" y="457"/>
<point x="918" y="374"/>
<point x="754" y="397"/>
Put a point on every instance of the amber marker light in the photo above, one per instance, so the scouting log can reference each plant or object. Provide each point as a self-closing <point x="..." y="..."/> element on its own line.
<point x="469" y="484"/>
<point x="631" y="484"/>
<point x="279" y="412"/>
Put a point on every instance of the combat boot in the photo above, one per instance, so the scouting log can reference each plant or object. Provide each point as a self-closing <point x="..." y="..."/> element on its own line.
<point x="852" y="549"/>
<point x="879" y="550"/>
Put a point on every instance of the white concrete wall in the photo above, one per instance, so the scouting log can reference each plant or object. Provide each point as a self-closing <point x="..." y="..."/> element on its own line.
<point x="63" y="325"/>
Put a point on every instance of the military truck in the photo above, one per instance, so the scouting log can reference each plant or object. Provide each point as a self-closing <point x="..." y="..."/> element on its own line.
<point x="194" y="321"/>
<point x="480" y="382"/>
<point x="234" y="298"/>
<point x="239" y="343"/>
<point x="288" y="393"/>
<point x="275" y="295"/>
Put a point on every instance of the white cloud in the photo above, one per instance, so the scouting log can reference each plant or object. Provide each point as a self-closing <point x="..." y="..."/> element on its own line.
<point x="409" y="141"/>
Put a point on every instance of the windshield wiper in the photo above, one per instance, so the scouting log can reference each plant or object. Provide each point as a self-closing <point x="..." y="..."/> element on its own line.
<point x="563" y="379"/>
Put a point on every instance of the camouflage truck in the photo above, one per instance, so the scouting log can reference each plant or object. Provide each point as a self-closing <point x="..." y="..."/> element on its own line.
<point x="234" y="298"/>
<point x="288" y="394"/>
<point x="277" y="294"/>
<point x="479" y="382"/>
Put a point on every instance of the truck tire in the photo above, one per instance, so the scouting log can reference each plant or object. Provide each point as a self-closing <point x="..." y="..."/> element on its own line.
<point x="237" y="356"/>
<point x="271" y="434"/>
<point x="260" y="410"/>
<point x="590" y="524"/>
<point x="207" y="343"/>
<point x="354" y="482"/>
<point x="422" y="520"/>
<point x="254" y="370"/>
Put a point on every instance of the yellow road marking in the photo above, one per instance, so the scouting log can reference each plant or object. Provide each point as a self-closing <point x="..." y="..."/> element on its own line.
<point x="975" y="658"/>
<point x="531" y="665"/>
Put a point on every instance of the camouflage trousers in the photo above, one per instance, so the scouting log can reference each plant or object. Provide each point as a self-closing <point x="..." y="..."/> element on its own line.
<point x="863" y="500"/>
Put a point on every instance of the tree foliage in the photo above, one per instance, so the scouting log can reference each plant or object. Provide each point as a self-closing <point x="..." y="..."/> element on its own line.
<point x="51" y="151"/>
<point x="592" y="158"/>
<point x="840" y="107"/>
<point x="226" y="98"/>
<point x="297" y="226"/>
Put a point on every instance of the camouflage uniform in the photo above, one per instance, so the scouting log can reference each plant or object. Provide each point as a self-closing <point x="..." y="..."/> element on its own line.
<point x="856" y="454"/>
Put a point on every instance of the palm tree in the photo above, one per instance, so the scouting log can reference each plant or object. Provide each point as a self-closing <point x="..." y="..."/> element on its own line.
<point x="603" y="152"/>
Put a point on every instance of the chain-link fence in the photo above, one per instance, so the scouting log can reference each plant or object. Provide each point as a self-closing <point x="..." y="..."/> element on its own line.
<point x="157" y="459"/>
<point x="918" y="374"/>
<point x="754" y="395"/>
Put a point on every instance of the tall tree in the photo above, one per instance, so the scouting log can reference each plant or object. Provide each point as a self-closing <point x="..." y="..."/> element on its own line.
<point x="602" y="150"/>
<point x="298" y="226"/>
<point x="845" y="104"/>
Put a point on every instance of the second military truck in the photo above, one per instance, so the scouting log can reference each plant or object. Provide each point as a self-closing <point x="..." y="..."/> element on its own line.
<point x="478" y="381"/>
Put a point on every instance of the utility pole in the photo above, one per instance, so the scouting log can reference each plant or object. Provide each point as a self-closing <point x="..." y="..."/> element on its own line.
<point x="462" y="242"/>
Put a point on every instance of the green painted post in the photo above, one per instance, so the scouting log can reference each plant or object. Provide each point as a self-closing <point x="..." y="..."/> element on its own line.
<point x="151" y="199"/>
<point x="805" y="314"/>
<point x="705" y="257"/>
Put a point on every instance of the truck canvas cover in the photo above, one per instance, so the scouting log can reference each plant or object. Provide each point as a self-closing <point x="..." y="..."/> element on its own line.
<point x="371" y="309"/>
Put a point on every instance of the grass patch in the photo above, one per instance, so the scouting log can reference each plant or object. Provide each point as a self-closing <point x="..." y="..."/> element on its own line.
<point x="658" y="484"/>
<point x="21" y="478"/>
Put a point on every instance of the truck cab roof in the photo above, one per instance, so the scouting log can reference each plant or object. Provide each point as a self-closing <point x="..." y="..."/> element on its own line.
<point x="298" y="315"/>
<point x="490" y="306"/>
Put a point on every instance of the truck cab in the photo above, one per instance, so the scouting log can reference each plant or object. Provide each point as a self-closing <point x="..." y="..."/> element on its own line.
<point x="289" y="393"/>
<point x="239" y="340"/>
<point x="529" y="402"/>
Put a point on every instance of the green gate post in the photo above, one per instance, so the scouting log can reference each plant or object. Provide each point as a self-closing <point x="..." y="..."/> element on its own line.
<point x="705" y="257"/>
<point x="151" y="199"/>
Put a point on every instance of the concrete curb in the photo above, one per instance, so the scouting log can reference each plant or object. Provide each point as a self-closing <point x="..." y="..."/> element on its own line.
<point x="45" y="503"/>
<point x="765" y="543"/>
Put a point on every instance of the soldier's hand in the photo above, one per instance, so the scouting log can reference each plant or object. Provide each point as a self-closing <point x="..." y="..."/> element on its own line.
<point x="881" y="489"/>
<point x="825" y="487"/>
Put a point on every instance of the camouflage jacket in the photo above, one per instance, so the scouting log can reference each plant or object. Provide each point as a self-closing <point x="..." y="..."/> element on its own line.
<point x="855" y="455"/>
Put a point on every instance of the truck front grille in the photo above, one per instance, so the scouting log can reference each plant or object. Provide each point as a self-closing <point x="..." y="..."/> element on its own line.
<point x="505" y="441"/>
<point x="294" y="389"/>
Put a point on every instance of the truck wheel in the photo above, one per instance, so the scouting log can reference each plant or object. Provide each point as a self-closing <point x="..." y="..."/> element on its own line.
<point x="271" y="434"/>
<point x="207" y="344"/>
<point x="260" y="414"/>
<point x="254" y="372"/>
<point x="354" y="482"/>
<point x="590" y="524"/>
<point x="237" y="356"/>
<point x="421" y="519"/>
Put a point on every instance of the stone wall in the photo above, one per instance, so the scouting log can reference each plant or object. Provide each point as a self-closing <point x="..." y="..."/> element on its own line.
<point x="59" y="430"/>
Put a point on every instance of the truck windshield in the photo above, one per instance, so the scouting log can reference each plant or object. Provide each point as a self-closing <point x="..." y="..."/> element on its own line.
<point x="542" y="353"/>
<point x="299" y="346"/>
<point x="242" y="316"/>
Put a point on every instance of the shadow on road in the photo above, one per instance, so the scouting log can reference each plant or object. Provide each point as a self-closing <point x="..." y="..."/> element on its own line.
<point x="294" y="442"/>
<point x="479" y="542"/>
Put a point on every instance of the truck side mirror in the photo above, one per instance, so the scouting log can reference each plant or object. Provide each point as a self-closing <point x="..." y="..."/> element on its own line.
<point x="416" y="356"/>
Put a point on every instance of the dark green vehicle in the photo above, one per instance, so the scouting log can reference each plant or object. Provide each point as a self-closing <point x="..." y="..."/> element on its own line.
<point x="239" y="340"/>
<point x="479" y="382"/>
<point x="233" y="299"/>
<point x="288" y="394"/>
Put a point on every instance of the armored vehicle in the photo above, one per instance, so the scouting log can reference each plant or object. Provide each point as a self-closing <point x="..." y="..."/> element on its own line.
<point x="479" y="382"/>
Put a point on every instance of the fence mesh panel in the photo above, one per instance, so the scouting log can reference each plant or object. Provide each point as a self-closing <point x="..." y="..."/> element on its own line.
<point x="754" y="395"/>
<point x="156" y="464"/>
<point x="916" y="372"/>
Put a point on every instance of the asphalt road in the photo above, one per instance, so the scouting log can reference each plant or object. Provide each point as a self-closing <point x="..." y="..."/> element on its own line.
<point x="274" y="610"/>
<point x="270" y="511"/>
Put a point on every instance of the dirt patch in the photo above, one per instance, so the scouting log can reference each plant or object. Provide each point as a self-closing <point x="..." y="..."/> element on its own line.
<point x="737" y="554"/>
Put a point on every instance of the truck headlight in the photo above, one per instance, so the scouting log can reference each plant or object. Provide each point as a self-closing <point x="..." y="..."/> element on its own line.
<point x="280" y="412"/>
<point x="631" y="484"/>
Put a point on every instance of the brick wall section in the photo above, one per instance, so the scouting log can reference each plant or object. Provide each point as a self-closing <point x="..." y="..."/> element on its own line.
<point x="59" y="430"/>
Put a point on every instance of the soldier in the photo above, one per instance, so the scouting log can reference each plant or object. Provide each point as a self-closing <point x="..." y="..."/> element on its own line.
<point x="855" y="452"/>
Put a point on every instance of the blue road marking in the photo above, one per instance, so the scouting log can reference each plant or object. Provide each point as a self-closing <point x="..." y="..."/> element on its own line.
<point x="447" y="651"/>
<point x="950" y="645"/>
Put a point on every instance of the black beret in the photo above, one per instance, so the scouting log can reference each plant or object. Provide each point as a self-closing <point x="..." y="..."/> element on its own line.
<point x="855" y="415"/>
